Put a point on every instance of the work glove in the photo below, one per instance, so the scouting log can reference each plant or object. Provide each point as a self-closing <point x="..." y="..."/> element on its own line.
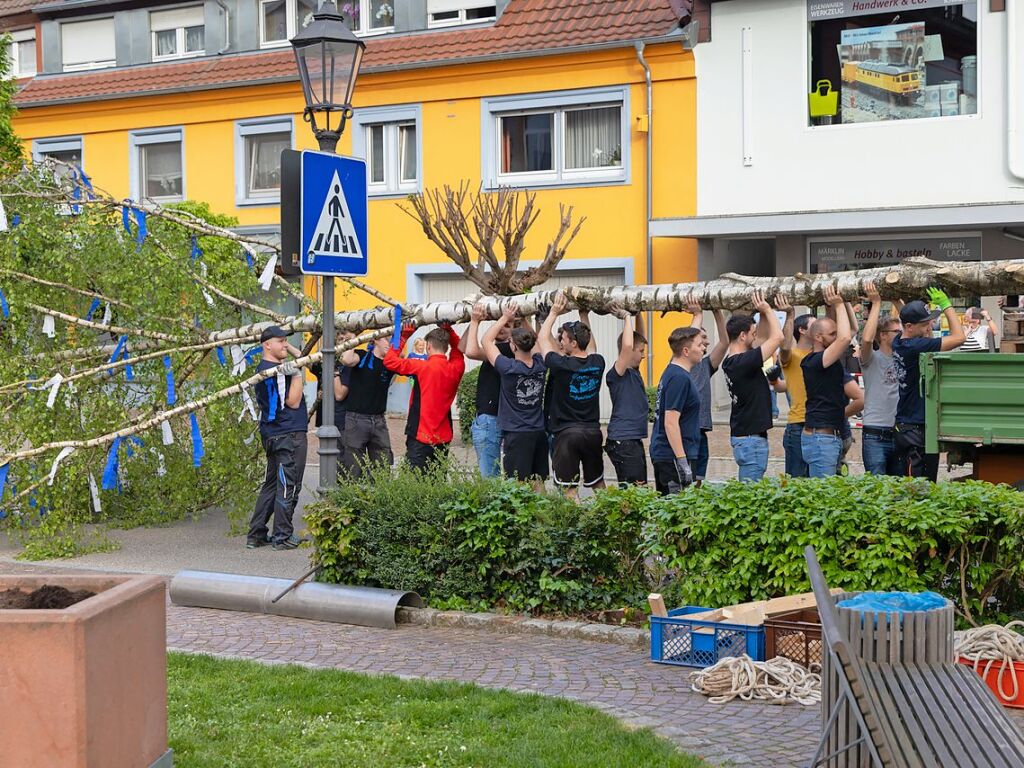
<point x="939" y="298"/>
<point x="288" y="368"/>
<point x="684" y="472"/>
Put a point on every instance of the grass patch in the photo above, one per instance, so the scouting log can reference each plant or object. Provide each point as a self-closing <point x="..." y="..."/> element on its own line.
<point x="240" y="713"/>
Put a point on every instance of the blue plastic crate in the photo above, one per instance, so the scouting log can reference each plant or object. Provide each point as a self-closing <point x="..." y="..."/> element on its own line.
<point x="694" y="643"/>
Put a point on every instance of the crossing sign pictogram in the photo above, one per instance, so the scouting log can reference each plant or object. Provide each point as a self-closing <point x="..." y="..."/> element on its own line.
<point x="332" y="215"/>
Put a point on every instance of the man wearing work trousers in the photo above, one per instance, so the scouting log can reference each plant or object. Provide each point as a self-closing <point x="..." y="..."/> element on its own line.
<point x="283" y="423"/>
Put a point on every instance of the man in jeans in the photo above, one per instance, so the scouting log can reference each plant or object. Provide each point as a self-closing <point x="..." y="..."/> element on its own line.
<point x="751" y="416"/>
<point x="916" y="338"/>
<point x="881" y="389"/>
<point x="575" y="412"/>
<point x="428" y="430"/>
<point x="675" y="440"/>
<point x="822" y="438"/>
<point x="485" y="431"/>
<point x="366" y="429"/>
<point x="520" y="415"/>
<point x="283" y="424"/>
<point x="627" y="427"/>
<point x="796" y="345"/>
<point x="701" y="374"/>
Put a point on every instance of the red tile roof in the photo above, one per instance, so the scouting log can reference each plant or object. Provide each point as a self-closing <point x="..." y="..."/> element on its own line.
<point x="527" y="27"/>
<point x="16" y="7"/>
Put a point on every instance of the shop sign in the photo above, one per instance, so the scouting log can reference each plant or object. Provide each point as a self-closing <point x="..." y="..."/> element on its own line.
<point x="843" y="255"/>
<point x="821" y="10"/>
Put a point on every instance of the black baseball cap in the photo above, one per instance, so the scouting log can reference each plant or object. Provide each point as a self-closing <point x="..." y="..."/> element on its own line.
<point x="277" y="332"/>
<point x="917" y="312"/>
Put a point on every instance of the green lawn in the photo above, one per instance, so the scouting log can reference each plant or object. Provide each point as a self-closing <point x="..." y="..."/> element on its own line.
<point x="244" y="714"/>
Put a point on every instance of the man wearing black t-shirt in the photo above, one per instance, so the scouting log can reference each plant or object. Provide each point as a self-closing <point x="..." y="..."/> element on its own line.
<point x="821" y="442"/>
<point x="627" y="426"/>
<point x="575" y="411"/>
<point x="366" y="435"/>
<point x="340" y="387"/>
<point x="675" y="440"/>
<point x="751" y="416"/>
<point x="485" y="430"/>
<point x="520" y="415"/>
<point x="283" y="422"/>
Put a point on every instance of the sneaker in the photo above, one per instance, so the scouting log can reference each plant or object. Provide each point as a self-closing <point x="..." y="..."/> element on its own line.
<point x="290" y="543"/>
<point x="257" y="543"/>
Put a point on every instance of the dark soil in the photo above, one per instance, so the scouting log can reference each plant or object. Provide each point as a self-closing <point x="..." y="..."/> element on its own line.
<point x="47" y="596"/>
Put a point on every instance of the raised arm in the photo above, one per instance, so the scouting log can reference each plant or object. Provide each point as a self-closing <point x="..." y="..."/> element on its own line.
<point x="782" y="304"/>
<point x="867" y="338"/>
<point x="393" y="359"/>
<point x="455" y="354"/>
<point x="956" y="335"/>
<point x="545" y="338"/>
<point x="844" y="334"/>
<point x="774" y="337"/>
<point x="489" y="343"/>
<point x="470" y="343"/>
<point x="695" y="310"/>
<point x="585" y="319"/>
<point x="992" y="327"/>
<point x="640" y="325"/>
<point x="721" y="347"/>
<point x="626" y="348"/>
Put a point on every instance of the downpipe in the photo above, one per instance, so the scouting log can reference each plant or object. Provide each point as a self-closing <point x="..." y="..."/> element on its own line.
<point x="1014" y="39"/>
<point x="649" y="262"/>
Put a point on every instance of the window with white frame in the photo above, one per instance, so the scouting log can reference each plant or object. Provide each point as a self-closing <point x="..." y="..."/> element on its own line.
<point x="158" y="165"/>
<point x="87" y="44"/>
<point x="178" y="33"/>
<point x="281" y="20"/>
<point x="369" y="16"/>
<point x="22" y="53"/>
<point x="390" y="141"/>
<point x="67" y="149"/>
<point x="444" y="13"/>
<point x="258" y="147"/>
<point x="567" y="138"/>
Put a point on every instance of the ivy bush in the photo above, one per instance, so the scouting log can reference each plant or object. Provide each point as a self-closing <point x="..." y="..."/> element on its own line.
<point x="464" y="542"/>
<point x="465" y="401"/>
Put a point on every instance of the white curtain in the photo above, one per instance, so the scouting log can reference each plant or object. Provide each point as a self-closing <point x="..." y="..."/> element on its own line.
<point x="265" y="161"/>
<point x="161" y="169"/>
<point x="407" y="151"/>
<point x="593" y="137"/>
<point x="165" y="40"/>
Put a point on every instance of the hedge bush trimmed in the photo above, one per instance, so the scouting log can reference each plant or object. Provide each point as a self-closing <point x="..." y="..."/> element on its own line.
<point x="469" y="543"/>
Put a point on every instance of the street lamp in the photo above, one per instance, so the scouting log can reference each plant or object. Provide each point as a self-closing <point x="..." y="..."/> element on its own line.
<point x="328" y="55"/>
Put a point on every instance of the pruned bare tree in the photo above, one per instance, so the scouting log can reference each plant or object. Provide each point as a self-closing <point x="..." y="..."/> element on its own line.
<point x="484" y="233"/>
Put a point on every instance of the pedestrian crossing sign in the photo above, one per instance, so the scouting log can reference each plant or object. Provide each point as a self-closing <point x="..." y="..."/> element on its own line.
<point x="333" y="215"/>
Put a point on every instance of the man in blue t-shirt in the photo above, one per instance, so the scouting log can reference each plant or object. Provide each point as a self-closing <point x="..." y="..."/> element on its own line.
<point x="627" y="427"/>
<point x="675" y="440"/>
<point x="916" y="338"/>
<point x="283" y="422"/>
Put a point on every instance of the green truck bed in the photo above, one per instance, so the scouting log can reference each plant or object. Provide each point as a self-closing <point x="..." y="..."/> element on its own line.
<point x="973" y="398"/>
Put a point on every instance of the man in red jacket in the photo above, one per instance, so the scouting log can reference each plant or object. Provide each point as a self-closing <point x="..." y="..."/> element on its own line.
<point x="429" y="430"/>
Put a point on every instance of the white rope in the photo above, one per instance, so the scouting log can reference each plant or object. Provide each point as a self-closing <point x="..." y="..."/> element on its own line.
<point x="990" y="644"/>
<point x="778" y="681"/>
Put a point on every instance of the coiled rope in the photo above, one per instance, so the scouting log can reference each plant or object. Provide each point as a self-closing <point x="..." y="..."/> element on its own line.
<point x="990" y="644"/>
<point x="777" y="681"/>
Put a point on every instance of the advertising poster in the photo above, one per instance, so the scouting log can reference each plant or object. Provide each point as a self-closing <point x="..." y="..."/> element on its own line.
<point x="884" y="76"/>
<point x="841" y="255"/>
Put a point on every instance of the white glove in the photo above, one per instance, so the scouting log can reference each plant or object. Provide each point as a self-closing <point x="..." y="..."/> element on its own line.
<point x="684" y="472"/>
<point x="288" y="368"/>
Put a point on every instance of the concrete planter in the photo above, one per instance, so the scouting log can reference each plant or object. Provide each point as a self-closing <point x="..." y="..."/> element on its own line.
<point x="85" y="686"/>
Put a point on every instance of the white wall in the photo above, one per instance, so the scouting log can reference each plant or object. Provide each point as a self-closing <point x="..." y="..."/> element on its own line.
<point x="946" y="161"/>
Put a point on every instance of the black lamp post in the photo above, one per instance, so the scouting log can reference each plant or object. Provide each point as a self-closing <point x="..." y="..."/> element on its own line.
<point x="328" y="55"/>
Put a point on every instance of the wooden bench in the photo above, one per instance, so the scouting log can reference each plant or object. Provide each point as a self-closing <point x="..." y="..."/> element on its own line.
<point x="912" y="716"/>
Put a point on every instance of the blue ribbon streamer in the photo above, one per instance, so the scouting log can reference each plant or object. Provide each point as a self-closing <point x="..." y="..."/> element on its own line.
<point x="129" y="451"/>
<point x="367" y="361"/>
<point x="92" y="308"/>
<point x="118" y="350"/>
<point x="196" y="250"/>
<point x="171" y="397"/>
<point x="86" y="181"/>
<point x="271" y="399"/>
<point x="142" y="233"/>
<point x="126" y="218"/>
<point x="76" y="194"/>
<point x="248" y="258"/>
<point x="220" y="357"/>
<point x="15" y="220"/>
<point x="3" y="305"/>
<point x="251" y="355"/>
<point x="396" y="335"/>
<point x="3" y="477"/>
<point x="198" y="451"/>
<point x="110" y="480"/>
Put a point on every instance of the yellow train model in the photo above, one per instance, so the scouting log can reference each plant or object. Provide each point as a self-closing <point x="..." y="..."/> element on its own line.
<point x="886" y="79"/>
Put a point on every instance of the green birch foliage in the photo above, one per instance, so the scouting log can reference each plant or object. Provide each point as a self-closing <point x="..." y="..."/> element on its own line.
<point x="156" y="289"/>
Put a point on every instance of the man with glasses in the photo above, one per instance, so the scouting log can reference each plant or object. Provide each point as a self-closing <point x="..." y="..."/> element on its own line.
<point x="574" y="412"/>
<point x="916" y="338"/>
<point x="881" y="388"/>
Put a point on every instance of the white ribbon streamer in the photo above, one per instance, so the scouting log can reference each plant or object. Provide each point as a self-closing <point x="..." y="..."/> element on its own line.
<point x="247" y="399"/>
<point x="108" y="313"/>
<point x="168" y="435"/>
<point x="53" y="384"/>
<point x="208" y="297"/>
<point x="237" y="360"/>
<point x="48" y="327"/>
<point x="95" y="491"/>
<point x="161" y="470"/>
<point x="267" y="276"/>
<point x="282" y="388"/>
<point x="3" y="218"/>
<point x="64" y="453"/>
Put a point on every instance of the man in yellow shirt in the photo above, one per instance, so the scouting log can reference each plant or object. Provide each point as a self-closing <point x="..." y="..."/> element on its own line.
<point x="796" y="345"/>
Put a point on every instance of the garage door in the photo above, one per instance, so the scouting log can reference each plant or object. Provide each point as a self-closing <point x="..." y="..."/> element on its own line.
<point x="606" y="329"/>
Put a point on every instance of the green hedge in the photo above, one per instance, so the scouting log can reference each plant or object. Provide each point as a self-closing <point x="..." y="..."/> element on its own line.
<point x="465" y="401"/>
<point x="465" y="542"/>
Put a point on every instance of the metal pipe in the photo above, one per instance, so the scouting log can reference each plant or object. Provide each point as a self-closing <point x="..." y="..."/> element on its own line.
<point x="362" y="606"/>
<point x="227" y="27"/>
<point x="327" y="434"/>
<point x="649" y="262"/>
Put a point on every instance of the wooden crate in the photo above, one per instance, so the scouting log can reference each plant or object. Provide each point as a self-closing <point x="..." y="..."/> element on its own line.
<point x="1013" y="325"/>
<point x="1013" y="346"/>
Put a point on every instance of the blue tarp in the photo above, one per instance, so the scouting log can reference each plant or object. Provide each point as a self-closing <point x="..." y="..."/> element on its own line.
<point x="893" y="602"/>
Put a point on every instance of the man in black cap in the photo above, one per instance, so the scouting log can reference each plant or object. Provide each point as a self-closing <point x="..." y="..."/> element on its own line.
<point x="283" y="421"/>
<point x="916" y="338"/>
